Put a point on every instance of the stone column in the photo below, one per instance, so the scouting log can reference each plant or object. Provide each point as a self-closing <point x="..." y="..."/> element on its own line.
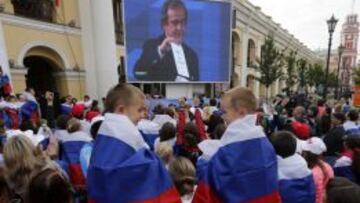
<point x="244" y="48"/>
<point x="99" y="45"/>
<point x="88" y="49"/>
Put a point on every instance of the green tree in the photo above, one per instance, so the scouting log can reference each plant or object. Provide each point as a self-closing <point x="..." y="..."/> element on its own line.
<point x="302" y="70"/>
<point x="332" y="80"/>
<point x="269" y="65"/>
<point x="315" y="75"/>
<point x="290" y="76"/>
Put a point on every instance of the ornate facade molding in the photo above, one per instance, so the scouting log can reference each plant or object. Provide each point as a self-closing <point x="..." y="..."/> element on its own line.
<point x="39" y="25"/>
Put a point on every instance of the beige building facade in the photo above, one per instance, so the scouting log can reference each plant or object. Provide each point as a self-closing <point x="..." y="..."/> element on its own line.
<point x="69" y="47"/>
<point x="47" y="45"/>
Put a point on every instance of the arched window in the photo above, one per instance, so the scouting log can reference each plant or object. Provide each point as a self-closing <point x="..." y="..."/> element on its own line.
<point x="251" y="53"/>
<point x="236" y="48"/>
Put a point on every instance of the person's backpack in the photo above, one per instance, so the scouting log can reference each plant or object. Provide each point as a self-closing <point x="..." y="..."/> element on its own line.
<point x="301" y="130"/>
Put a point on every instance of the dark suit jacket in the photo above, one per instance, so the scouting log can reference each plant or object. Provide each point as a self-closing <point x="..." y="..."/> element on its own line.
<point x="151" y="67"/>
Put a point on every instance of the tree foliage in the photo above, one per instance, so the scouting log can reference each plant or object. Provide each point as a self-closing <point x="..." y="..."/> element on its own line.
<point x="291" y="73"/>
<point x="302" y="65"/>
<point x="270" y="64"/>
<point x="332" y="80"/>
<point x="315" y="75"/>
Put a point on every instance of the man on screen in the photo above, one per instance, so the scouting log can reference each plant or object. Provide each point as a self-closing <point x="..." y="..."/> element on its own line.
<point x="168" y="58"/>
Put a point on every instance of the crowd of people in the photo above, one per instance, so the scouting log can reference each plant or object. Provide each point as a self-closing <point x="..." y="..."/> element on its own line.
<point x="229" y="149"/>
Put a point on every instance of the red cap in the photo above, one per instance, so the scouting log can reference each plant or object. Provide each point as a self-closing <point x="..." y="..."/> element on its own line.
<point x="78" y="110"/>
<point x="91" y="114"/>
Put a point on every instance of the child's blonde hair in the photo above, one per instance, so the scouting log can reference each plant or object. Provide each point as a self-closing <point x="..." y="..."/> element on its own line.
<point x="241" y="97"/>
<point x="22" y="161"/>
<point x="183" y="174"/>
<point x="122" y="94"/>
<point x="164" y="151"/>
<point x="73" y="125"/>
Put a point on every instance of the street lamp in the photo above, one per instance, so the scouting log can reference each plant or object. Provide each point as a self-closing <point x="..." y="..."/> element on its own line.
<point x="331" y="26"/>
<point x="341" y="49"/>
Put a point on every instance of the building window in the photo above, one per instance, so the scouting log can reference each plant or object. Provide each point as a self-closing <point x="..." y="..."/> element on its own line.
<point x="119" y="33"/>
<point x="251" y="53"/>
<point x="37" y="9"/>
<point x="234" y="19"/>
<point x="121" y="70"/>
<point x="235" y="48"/>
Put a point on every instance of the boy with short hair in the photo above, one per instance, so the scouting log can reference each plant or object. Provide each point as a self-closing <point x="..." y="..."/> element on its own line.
<point x="296" y="183"/>
<point x="241" y="166"/>
<point x="122" y="168"/>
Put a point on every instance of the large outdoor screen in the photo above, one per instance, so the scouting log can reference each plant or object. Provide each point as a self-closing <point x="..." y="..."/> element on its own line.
<point x="180" y="41"/>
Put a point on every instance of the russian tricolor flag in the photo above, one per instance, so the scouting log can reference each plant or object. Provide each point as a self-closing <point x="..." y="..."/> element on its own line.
<point x="296" y="182"/>
<point x="123" y="169"/>
<point x="149" y="131"/>
<point x="342" y="167"/>
<point x="66" y="109"/>
<point x="30" y="110"/>
<point x="241" y="167"/>
<point x="70" y="154"/>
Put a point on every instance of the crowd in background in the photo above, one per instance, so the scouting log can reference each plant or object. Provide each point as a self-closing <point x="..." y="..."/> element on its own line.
<point x="51" y="148"/>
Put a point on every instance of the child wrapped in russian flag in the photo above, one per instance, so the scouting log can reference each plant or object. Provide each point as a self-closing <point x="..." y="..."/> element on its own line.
<point x="296" y="181"/>
<point x="241" y="166"/>
<point x="122" y="168"/>
<point x="348" y="165"/>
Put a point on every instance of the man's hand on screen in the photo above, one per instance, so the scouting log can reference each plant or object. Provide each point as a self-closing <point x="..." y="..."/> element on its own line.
<point x="165" y="45"/>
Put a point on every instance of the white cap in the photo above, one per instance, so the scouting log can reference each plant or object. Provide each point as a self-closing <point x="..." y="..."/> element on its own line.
<point x="314" y="145"/>
<point x="299" y="145"/>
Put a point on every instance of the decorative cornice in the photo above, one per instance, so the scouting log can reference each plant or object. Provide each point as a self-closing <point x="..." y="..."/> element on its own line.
<point x="68" y="74"/>
<point x="18" y="71"/>
<point x="38" y="25"/>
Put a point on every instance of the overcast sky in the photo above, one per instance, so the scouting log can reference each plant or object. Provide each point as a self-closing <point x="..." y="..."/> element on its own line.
<point x="306" y="19"/>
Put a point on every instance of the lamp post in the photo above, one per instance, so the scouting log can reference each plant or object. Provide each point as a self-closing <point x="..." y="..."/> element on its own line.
<point x="341" y="49"/>
<point x="331" y="26"/>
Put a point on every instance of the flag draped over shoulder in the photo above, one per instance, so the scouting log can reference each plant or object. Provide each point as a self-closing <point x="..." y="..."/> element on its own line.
<point x="5" y="84"/>
<point x="296" y="182"/>
<point x="66" y="109"/>
<point x="30" y="110"/>
<point x="241" y="167"/>
<point x="123" y="169"/>
<point x="342" y="167"/>
<point x="149" y="131"/>
<point x="70" y="154"/>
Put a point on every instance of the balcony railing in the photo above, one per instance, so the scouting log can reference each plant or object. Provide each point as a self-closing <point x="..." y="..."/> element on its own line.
<point x="36" y="9"/>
